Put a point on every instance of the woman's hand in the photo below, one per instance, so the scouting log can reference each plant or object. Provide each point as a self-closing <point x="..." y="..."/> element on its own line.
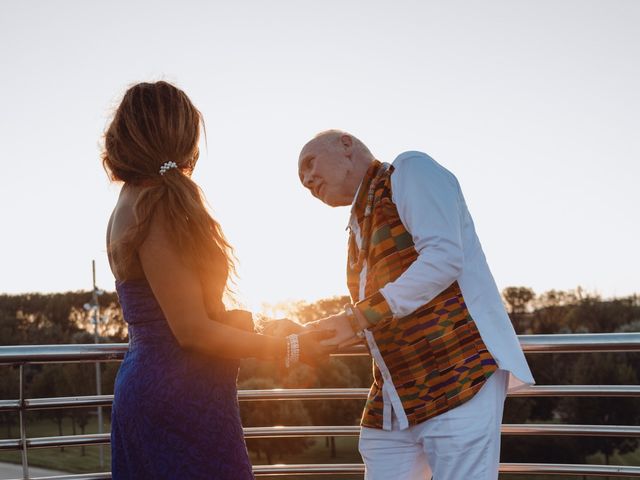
<point x="238" y="319"/>
<point x="280" y="327"/>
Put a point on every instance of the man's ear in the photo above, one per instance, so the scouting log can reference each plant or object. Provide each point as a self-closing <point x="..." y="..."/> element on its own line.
<point x="347" y="142"/>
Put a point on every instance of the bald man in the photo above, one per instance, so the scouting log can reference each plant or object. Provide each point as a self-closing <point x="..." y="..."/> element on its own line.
<point x="427" y="307"/>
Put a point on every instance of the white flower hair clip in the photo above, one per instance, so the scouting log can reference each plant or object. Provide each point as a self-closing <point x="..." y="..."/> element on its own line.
<point x="167" y="166"/>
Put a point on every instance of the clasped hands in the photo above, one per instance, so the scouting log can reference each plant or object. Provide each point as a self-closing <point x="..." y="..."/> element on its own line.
<point x="344" y="335"/>
<point x="318" y="339"/>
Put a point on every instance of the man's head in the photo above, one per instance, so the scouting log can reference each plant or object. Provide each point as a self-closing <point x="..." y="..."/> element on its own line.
<point x="332" y="165"/>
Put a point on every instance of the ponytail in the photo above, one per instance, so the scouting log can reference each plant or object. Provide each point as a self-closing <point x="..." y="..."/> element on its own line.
<point x="155" y="124"/>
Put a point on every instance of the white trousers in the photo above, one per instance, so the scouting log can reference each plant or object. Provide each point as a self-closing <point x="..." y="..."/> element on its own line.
<point x="461" y="444"/>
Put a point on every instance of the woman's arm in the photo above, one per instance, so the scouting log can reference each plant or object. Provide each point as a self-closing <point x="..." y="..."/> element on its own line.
<point x="179" y="293"/>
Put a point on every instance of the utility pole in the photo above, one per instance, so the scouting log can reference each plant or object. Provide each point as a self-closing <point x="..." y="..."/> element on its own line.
<point x="95" y="306"/>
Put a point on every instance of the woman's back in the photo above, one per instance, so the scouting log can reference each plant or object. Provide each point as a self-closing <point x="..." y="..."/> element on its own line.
<point x="121" y="222"/>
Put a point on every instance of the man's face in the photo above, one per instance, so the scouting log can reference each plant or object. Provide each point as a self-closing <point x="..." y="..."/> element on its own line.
<point x="324" y="170"/>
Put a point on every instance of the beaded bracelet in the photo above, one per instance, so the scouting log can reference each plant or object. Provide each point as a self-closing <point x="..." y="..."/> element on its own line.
<point x="293" y="350"/>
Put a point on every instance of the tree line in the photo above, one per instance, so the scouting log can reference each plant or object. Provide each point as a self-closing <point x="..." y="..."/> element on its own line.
<point x="61" y="318"/>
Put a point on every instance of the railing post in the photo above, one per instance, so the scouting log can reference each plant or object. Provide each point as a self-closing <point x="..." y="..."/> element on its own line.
<point x="23" y="429"/>
<point x="96" y="320"/>
<point x="99" y="391"/>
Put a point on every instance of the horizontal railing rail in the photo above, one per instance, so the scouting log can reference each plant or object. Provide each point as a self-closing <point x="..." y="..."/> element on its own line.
<point x="532" y="344"/>
<point x="358" y="469"/>
<point x="323" y="394"/>
<point x="551" y="343"/>
<point x="517" y="468"/>
<point x="524" y="429"/>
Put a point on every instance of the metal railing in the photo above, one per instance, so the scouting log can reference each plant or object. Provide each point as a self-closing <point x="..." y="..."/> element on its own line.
<point x="41" y="354"/>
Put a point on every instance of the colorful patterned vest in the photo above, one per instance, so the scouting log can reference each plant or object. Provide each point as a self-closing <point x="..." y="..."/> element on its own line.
<point x="436" y="357"/>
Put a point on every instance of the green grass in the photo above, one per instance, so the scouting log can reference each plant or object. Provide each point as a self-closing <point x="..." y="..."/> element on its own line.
<point x="627" y="459"/>
<point x="319" y="452"/>
<point x="69" y="459"/>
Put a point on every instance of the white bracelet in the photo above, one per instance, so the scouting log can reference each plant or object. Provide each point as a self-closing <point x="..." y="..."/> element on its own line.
<point x="293" y="350"/>
<point x="288" y="354"/>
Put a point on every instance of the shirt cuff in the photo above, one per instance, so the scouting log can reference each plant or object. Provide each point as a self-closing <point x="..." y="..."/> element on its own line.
<point x="375" y="308"/>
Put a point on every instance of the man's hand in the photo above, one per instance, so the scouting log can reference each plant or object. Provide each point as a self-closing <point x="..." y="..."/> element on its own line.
<point x="339" y="323"/>
<point x="312" y="350"/>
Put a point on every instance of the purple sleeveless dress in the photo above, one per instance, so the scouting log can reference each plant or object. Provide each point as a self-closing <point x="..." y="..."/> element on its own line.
<point x="175" y="413"/>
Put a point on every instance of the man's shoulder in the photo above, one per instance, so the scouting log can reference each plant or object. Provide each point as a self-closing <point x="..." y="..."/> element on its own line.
<point x="413" y="162"/>
<point x="415" y="155"/>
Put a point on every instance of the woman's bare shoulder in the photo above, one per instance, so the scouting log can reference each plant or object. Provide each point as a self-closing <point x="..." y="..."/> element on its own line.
<point x="122" y="219"/>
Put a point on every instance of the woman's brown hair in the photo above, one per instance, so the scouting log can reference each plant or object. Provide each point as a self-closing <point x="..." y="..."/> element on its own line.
<point x="156" y="123"/>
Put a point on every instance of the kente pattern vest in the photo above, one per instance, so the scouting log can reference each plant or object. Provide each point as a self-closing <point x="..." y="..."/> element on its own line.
<point x="435" y="355"/>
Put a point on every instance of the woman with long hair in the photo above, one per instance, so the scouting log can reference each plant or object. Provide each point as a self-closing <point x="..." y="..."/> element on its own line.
<point x="175" y="410"/>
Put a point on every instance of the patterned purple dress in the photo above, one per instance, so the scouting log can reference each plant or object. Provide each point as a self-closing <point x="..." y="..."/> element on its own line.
<point x="175" y="413"/>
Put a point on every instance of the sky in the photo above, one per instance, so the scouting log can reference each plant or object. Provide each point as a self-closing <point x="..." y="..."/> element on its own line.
<point x="533" y="105"/>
